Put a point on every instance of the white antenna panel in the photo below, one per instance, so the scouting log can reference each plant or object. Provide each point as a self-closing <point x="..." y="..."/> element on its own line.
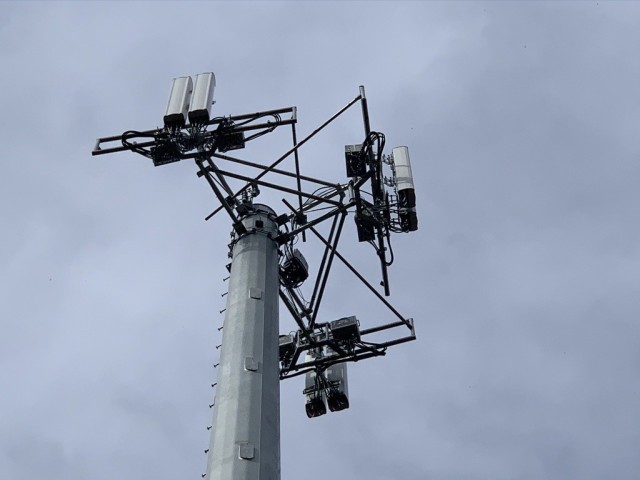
<point x="202" y="98"/>
<point x="404" y="177"/>
<point x="178" y="105"/>
<point x="406" y="191"/>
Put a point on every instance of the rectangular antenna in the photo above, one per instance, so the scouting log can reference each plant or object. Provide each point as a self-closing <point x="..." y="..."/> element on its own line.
<point x="406" y="190"/>
<point x="178" y="105"/>
<point x="202" y="98"/>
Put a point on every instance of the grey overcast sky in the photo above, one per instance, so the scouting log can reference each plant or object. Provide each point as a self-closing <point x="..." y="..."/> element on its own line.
<point x="522" y="121"/>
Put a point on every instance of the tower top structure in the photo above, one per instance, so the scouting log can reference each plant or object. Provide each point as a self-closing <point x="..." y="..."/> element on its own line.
<point x="377" y="189"/>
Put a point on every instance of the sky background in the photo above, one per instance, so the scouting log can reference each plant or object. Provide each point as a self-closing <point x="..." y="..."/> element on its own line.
<point x="522" y="123"/>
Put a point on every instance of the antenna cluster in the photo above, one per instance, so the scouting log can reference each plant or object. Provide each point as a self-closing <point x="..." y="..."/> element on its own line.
<point x="379" y="191"/>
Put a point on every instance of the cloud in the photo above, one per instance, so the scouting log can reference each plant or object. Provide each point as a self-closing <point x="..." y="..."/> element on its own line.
<point x="521" y="123"/>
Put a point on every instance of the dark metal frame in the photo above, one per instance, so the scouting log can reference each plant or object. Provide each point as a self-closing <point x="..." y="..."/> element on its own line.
<point x="305" y="315"/>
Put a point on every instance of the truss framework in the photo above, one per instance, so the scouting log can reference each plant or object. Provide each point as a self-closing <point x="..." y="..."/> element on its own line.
<point x="208" y="149"/>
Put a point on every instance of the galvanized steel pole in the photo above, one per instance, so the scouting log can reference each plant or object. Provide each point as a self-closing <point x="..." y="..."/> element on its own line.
<point x="245" y="439"/>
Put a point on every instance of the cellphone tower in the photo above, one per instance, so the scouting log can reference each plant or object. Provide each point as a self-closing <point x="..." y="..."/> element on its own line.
<point x="266" y="269"/>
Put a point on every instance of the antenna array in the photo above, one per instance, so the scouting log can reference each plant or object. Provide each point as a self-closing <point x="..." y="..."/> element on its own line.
<point x="379" y="192"/>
